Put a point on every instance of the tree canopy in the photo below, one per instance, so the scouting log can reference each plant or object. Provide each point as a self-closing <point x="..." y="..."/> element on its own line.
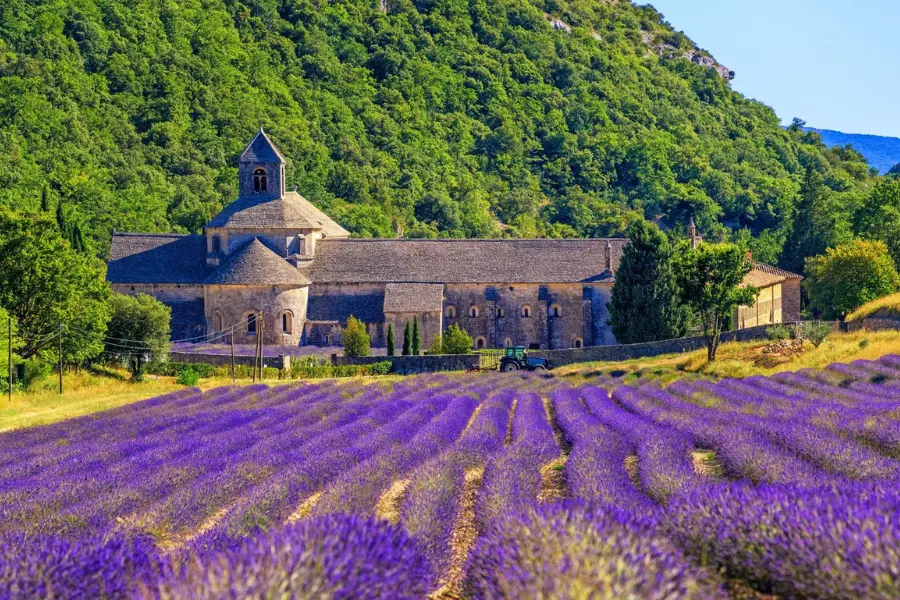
<point x="139" y="331"/>
<point x="355" y="338"/>
<point x="846" y="277"/>
<point x="50" y="289"/>
<point x="429" y="119"/>
<point x="710" y="278"/>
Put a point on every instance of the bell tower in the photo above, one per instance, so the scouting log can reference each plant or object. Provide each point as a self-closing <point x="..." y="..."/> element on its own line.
<point x="261" y="169"/>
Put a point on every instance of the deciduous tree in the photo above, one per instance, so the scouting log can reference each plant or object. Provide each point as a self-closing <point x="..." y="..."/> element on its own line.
<point x="457" y="341"/>
<point x="710" y="278"/>
<point x="139" y="331"/>
<point x="846" y="277"/>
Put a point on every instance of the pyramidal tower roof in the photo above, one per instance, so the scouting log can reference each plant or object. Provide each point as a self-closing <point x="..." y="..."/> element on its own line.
<point x="255" y="264"/>
<point x="261" y="150"/>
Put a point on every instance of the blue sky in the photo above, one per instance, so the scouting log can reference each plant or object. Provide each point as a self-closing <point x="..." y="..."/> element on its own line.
<point x="834" y="64"/>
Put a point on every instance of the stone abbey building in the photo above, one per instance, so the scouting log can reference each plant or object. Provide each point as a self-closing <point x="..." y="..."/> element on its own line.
<point x="271" y="252"/>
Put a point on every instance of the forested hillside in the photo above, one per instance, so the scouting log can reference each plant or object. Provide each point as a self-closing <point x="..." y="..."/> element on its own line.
<point x="426" y="118"/>
<point x="882" y="152"/>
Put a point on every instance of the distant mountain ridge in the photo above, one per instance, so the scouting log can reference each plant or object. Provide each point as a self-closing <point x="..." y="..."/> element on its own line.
<point x="882" y="152"/>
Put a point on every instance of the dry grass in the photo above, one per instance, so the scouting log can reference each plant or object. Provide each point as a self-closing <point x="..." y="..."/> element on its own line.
<point x="305" y="508"/>
<point x="388" y="507"/>
<point x="464" y="533"/>
<point x="742" y="359"/>
<point x="887" y="307"/>
<point x="553" y="481"/>
<point x="707" y="465"/>
<point x="632" y="467"/>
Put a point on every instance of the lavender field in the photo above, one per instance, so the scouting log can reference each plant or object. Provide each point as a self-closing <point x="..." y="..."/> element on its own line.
<point x="490" y="486"/>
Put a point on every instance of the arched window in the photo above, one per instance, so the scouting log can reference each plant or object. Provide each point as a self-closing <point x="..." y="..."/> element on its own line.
<point x="556" y="310"/>
<point x="507" y="343"/>
<point x="451" y="312"/>
<point x="251" y="324"/>
<point x="327" y="339"/>
<point x="480" y="343"/>
<point x="216" y="244"/>
<point x="260" y="180"/>
<point x="287" y="322"/>
<point x="577" y="343"/>
<point x="218" y="321"/>
<point x="526" y="311"/>
<point x="473" y="311"/>
<point x="499" y="312"/>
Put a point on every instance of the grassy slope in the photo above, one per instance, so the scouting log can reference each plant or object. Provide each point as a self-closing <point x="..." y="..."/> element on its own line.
<point x="742" y="359"/>
<point x="889" y="307"/>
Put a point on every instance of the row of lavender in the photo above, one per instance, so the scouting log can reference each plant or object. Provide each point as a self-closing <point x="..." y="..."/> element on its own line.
<point x="254" y="492"/>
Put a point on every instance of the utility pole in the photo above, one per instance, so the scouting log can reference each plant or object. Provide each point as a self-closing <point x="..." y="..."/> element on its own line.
<point x="60" y="359"/>
<point x="233" y="377"/>
<point x="9" y="354"/>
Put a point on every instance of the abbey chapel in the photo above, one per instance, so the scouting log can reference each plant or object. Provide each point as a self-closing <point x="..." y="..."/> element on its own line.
<point x="272" y="253"/>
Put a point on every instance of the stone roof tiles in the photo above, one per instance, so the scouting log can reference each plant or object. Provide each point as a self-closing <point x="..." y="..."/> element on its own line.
<point x="292" y="211"/>
<point x="261" y="150"/>
<point x="413" y="297"/>
<point x="157" y="258"/>
<point x="464" y="261"/>
<point x="760" y="266"/>
<point x="255" y="264"/>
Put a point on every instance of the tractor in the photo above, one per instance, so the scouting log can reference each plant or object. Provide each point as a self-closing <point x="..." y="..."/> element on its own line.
<point x="516" y="359"/>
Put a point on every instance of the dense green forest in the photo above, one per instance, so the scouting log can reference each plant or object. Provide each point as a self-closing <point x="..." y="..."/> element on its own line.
<point x="425" y="118"/>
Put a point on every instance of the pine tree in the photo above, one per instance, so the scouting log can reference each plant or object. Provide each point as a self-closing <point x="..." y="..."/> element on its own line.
<point x="407" y="340"/>
<point x="645" y="304"/>
<point x="390" y="340"/>
<point x="416" y="338"/>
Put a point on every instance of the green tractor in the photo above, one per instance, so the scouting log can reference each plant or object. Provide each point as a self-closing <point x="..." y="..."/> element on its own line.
<point x="516" y="359"/>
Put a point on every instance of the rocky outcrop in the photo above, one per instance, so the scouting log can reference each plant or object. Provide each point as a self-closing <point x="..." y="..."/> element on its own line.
<point x="695" y="55"/>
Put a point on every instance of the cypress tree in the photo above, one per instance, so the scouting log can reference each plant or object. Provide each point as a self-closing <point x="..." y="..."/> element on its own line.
<point x="61" y="218"/>
<point x="646" y="305"/>
<point x="45" y="199"/>
<point x="407" y="340"/>
<point x="416" y="338"/>
<point x="390" y="340"/>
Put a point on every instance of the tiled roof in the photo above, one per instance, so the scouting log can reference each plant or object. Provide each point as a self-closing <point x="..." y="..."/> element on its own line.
<point x="292" y="211"/>
<point x="157" y="258"/>
<point x="464" y="261"/>
<point x="761" y="279"/>
<point x="367" y="308"/>
<point x="413" y="297"/>
<point x="254" y="264"/>
<point x="760" y="266"/>
<point x="261" y="150"/>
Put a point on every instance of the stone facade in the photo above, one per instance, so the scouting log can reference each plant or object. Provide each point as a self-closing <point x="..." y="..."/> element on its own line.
<point x="282" y="311"/>
<point x="272" y="253"/>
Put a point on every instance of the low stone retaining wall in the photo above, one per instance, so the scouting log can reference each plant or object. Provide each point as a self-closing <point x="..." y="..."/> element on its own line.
<point x="872" y="324"/>
<point x="407" y="365"/>
<point x="224" y="360"/>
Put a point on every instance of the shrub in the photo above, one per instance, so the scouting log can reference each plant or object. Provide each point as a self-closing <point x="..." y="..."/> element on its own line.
<point x="816" y="332"/>
<point x="437" y="345"/>
<point x="33" y="371"/>
<point x="175" y="369"/>
<point x="778" y="332"/>
<point x="188" y="377"/>
<point x="457" y="341"/>
<point x="356" y="338"/>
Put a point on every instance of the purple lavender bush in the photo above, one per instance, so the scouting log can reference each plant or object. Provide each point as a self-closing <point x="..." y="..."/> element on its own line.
<point x="575" y="550"/>
<point x="336" y="556"/>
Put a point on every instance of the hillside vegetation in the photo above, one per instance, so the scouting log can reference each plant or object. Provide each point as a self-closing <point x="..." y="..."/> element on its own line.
<point x="882" y="152"/>
<point x="426" y="118"/>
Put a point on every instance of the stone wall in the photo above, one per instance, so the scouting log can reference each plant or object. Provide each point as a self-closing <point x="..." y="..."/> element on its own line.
<point x="872" y="324"/>
<point x="429" y="327"/>
<point x="790" y="300"/>
<point x="224" y="360"/>
<point x="631" y="351"/>
<point x="235" y="302"/>
<point x="558" y="315"/>
<point x="407" y="365"/>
